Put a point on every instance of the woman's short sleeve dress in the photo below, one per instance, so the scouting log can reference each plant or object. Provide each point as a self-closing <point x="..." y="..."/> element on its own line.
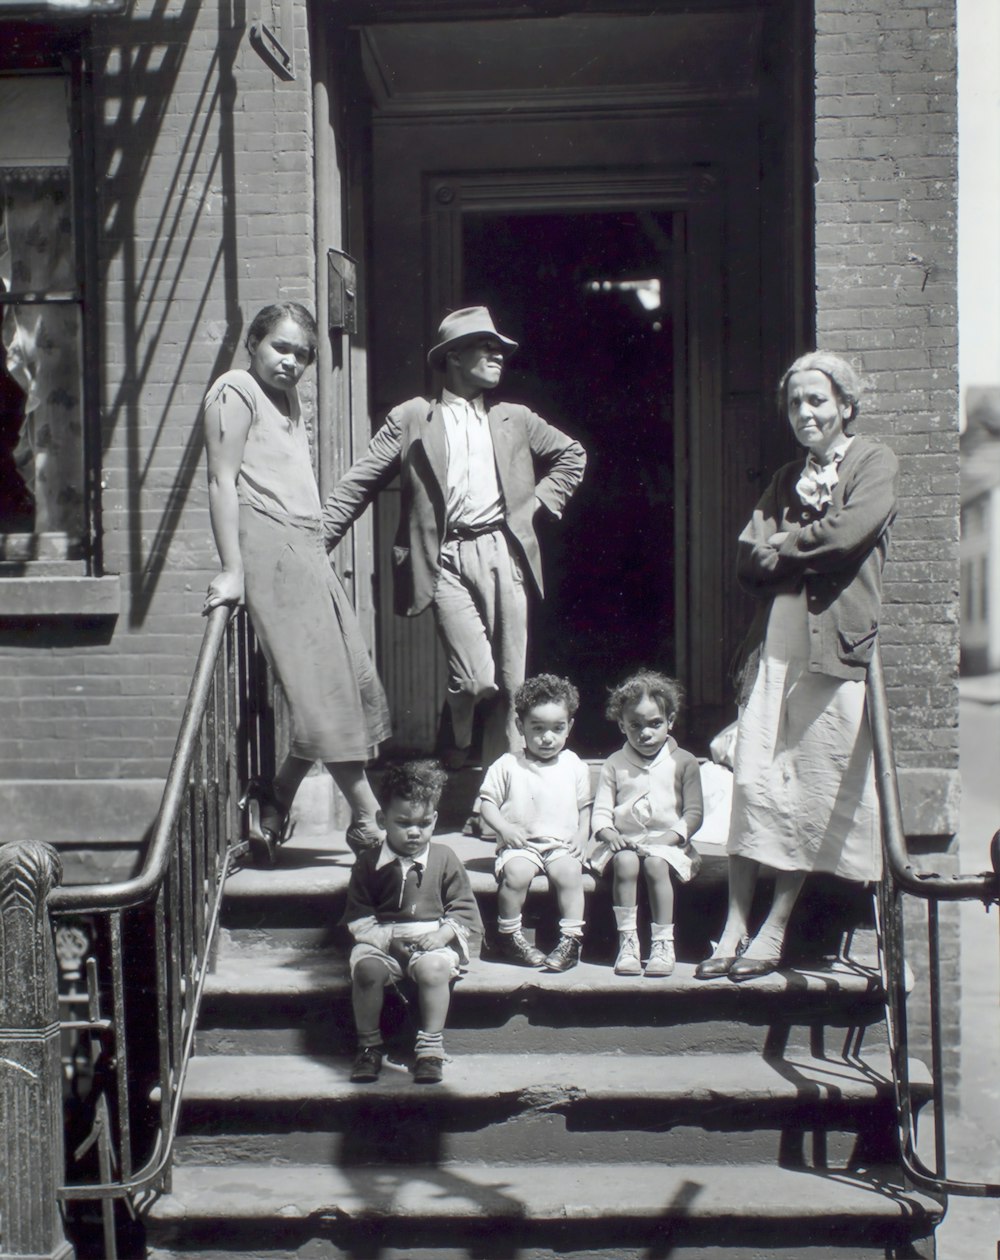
<point x="301" y="614"/>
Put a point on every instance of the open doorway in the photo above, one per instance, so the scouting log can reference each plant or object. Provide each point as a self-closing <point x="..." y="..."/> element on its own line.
<point x="631" y="201"/>
<point x="590" y="298"/>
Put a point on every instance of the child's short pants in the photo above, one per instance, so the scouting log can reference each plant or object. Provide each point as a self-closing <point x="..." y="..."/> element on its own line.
<point x="540" y="853"/>
<point x="395" y="968"/>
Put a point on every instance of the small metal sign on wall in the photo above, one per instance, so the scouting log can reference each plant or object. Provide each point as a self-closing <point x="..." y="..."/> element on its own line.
<point x="342" y="297"/>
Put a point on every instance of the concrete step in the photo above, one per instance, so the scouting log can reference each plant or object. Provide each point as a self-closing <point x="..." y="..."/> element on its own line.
<point x="302" y="900"/>
<point x="695" y="1108"/>
<point x="294" y="1001"/>
<point x="529" y="1211"/>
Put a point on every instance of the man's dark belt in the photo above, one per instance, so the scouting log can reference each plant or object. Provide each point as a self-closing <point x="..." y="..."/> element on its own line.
<point x="464" y="533"/>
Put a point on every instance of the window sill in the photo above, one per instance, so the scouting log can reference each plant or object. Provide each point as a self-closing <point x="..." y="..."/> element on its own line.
<point x="82" y="597"/>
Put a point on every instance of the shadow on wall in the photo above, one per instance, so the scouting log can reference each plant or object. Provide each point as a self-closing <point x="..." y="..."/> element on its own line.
<point x="156" y="260"/>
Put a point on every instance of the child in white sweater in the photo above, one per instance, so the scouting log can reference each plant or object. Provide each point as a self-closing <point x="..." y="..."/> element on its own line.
<point x="647" y="806"/>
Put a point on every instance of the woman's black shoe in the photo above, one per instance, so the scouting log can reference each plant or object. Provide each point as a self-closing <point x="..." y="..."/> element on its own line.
<point x="263" y="841"/>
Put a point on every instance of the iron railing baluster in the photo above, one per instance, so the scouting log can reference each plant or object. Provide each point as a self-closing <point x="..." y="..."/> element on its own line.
<point x="171" y="909"/>
<point x="902" y="877"/>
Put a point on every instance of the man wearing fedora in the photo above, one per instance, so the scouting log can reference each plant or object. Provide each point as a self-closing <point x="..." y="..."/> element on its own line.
<point x="473" y="474"/>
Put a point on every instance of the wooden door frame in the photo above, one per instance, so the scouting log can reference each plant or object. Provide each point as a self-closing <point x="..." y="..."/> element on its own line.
<point x="693" y="196"/>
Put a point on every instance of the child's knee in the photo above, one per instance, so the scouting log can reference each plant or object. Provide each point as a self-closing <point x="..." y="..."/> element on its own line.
<point x="657" y="871"/>
<point x="432" y="970"/>
<point x="370" y="973"/>
<point x="627" y="863"/>
<point x="517" y="874"/>
<point x="566" y="873"/>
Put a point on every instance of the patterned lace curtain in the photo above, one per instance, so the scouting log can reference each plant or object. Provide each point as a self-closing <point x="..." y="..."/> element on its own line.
<point x="41" y="338"/>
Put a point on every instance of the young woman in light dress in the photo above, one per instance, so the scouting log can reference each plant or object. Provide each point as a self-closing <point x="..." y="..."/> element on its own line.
<point x="265" y="511"/>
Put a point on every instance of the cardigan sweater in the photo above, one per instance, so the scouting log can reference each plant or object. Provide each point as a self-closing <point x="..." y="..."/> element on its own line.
<point x="836" y="554"/>
<point x="444" y="896"/>
<point x="645" y="798"/>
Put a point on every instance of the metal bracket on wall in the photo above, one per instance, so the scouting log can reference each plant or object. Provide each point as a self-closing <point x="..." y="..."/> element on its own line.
<point x="271" y="51"/>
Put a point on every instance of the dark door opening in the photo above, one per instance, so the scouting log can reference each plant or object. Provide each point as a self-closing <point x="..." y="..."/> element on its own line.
<point x="590" y="297"/>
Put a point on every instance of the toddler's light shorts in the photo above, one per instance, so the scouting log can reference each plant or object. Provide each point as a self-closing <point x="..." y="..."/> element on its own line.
<point x="540" y="853"/>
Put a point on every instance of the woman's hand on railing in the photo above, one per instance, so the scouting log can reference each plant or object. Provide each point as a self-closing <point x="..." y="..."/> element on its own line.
<point x="225" y="588"/>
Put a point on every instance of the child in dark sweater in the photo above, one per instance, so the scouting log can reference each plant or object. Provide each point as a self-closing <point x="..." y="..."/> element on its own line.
<point x="411" y="911"/>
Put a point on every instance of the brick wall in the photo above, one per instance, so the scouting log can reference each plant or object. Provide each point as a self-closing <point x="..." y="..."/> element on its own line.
<point x="886" y="165"/>
<point x="886" y="295"/>
<point x="204" y="178"/>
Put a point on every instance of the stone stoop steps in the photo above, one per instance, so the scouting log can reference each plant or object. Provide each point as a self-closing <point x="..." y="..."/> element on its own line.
<point x="581" y="1115"/>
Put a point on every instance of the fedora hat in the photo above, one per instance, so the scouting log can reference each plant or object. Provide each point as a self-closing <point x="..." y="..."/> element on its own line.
<point x="465" y="325"/>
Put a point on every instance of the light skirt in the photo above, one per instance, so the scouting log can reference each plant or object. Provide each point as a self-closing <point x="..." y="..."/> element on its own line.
<point x="306" y="626"/>
<point x="804" y="795"/>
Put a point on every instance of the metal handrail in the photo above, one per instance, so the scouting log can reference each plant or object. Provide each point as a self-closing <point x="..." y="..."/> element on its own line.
<point x="902" y="877"/>
<point x="926" y="884"/>
<point x="168" y="914"/>
<point x="90" y="898"/>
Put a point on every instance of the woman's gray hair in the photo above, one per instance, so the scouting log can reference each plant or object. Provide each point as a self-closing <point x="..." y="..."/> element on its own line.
<point x="842" y="375"/>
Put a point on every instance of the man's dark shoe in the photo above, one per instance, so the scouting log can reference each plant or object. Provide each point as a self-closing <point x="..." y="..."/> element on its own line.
<point x="512" y="947"/>
<point x="565" y="955"/>
<point x="428" y="1069"/>
<point x="367" y="1065"/>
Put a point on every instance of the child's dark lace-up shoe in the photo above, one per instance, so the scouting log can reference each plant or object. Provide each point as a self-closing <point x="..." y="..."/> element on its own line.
<point x="427" y="1069"/>
<point x="512" y="947"/>
<point x="367" y="1065"/>
<point x="565" y="955"/>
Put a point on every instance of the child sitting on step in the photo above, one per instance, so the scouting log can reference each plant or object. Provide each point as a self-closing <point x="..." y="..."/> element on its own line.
<point x="411" y="911"/>
<point x="647" y="806"/>
<point x="538" y="803"/>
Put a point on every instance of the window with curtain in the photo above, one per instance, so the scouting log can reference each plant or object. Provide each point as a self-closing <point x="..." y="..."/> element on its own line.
<point x="42" y="430"/>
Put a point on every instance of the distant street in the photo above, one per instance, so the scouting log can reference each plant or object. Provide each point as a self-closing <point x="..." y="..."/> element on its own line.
<point x="972" y="1227"/>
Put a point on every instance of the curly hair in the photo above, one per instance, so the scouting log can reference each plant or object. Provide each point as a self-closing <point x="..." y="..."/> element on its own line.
<point x="546" y="689"/>
<point x="842" y="376"/>
<point x="421" y="781"/>
<point x="269" y="317"/>
<point x="667" y="692"/>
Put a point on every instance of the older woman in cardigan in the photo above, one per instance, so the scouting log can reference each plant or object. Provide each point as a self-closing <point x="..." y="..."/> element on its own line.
<point x="812" y="553"/>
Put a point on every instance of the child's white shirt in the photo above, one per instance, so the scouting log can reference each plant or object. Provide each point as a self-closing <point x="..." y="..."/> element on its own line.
<point x="544" y="797"/>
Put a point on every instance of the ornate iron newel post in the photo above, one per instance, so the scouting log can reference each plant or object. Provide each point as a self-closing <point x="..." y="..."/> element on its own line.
<point x="31" y="1108"/>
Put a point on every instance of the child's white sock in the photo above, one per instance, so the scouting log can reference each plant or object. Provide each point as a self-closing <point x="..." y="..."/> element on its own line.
<point x="662" y="931"/>
<point x="430" y="1043"/>
<point x="571" y="927"/>
<point x="626" y="918"/>
<point x="507" y="927"/>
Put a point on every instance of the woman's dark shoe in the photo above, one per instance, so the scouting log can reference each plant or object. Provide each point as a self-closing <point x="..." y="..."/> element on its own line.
<point x="362" y="836"/>
<point x="263" y="840"/>
<point x="753" y="968"/>
<point x="367" y="1065"/>
<point x="720" y="964"/>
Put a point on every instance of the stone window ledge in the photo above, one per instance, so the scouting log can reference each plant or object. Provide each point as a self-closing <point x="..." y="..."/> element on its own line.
<point x="62" y="596"/>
